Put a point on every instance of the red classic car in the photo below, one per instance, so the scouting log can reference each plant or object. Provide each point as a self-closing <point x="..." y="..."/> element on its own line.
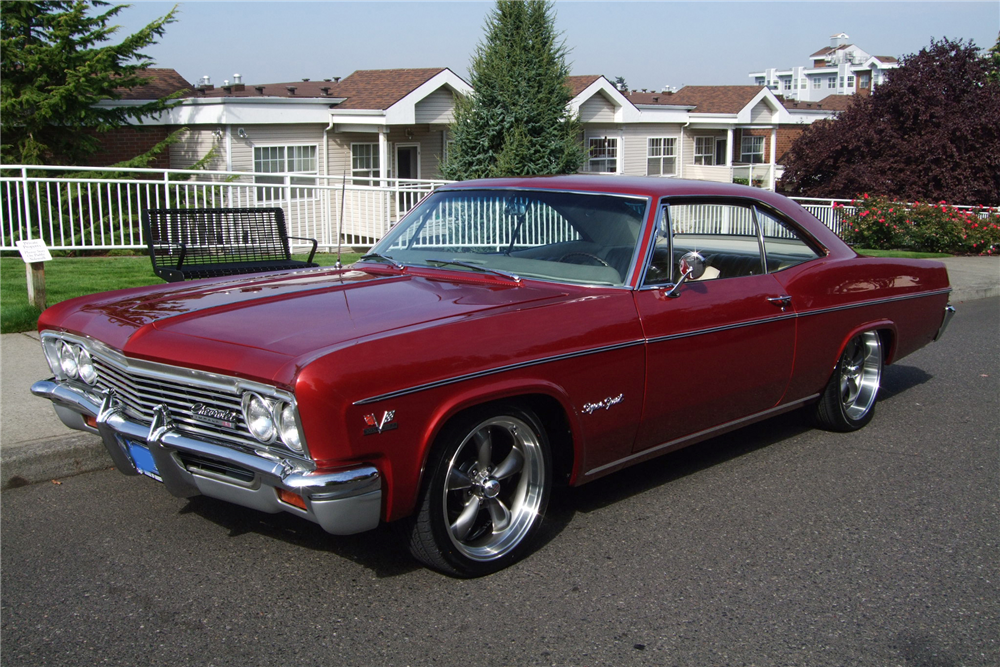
<point x="506" y="336"/>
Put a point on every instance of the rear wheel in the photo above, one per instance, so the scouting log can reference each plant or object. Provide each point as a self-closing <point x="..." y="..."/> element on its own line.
<point x="848" y="402"/>
<point x="490" y="477"/>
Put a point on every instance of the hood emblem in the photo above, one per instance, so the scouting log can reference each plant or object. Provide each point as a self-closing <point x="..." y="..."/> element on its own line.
<point x="387" y="423"/>
<point x="591" y="408"/>
<point x="216" y="416"/>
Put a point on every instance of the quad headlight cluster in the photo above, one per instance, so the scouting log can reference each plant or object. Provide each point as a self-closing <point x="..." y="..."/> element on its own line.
<point x="70" y="361"/>
<point x="271" y="419"/>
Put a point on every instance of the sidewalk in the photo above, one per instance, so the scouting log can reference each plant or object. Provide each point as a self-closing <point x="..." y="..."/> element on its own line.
<point x="35" y="446"/>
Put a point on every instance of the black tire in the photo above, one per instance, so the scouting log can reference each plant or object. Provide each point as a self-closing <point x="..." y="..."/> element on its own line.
<point x="848" y="402"/>
<point x="469" y="521"/>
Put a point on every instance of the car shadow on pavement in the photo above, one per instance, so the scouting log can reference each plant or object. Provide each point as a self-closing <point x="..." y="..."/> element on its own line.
<point x="380" y="550"/>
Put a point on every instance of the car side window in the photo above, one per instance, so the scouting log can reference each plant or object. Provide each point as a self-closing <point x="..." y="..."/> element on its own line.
<point x="783" y="244"/>
<point x="724" y="234"/>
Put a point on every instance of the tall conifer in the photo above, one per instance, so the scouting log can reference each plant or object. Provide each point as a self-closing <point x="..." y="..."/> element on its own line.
<point x="516" y="122"/>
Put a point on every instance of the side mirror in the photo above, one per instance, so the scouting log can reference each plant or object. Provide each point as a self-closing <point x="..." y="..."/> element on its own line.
<point x="692" y="267"/>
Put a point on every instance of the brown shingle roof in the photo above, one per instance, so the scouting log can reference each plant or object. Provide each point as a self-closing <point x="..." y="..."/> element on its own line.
<point x="705" y="99"/>
<point x="164" y="82"/>
<point x="578" y="84"/>
<point x="828" y="103"/>
<point x="365" y="89"/>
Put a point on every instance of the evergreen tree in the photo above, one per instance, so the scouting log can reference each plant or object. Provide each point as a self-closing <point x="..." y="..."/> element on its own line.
<point x="57" y="64"/>
<point x="931" y="132"/>
<point x="516" y="122"/>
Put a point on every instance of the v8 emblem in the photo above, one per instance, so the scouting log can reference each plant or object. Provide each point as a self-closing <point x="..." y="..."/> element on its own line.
<point x="387" y="423"/>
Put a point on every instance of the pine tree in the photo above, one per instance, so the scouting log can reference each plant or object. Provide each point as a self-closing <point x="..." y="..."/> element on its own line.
<point x="516" y="122"/>
<point x="57" y="65"/>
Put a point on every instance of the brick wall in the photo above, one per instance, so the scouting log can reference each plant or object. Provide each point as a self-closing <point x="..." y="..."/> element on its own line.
<point x="787" y="134"/>
<point x="127" y="142"/>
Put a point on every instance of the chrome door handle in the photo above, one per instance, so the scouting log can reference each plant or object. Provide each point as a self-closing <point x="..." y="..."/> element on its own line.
<point x="781" y="301"/>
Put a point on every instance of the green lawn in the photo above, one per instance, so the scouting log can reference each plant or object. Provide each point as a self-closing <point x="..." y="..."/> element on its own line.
<point x="68" y="277"/>
<point x="906" y="254"/>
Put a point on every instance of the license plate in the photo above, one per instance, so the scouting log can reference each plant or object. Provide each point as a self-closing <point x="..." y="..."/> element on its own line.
<point x="143" y="460"/>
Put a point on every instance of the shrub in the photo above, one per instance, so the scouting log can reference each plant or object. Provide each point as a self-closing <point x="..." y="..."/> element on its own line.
<point x="883" y="224"/>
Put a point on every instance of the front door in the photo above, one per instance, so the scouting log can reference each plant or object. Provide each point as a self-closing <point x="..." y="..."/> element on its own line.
<point x="407" y="168"/>
<point x="723" y="348"/>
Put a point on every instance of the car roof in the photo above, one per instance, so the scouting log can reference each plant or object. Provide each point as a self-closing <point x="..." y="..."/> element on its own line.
<point x="635" y="185"/>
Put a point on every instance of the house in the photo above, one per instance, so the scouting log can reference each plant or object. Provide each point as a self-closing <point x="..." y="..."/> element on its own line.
<point x="838" y="69"/>
<point x="379" y="125"/>
<point x="372" y="125"/>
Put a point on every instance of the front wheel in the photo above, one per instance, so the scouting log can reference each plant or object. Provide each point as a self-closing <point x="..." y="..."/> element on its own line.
<point x="848" y="402"/>
<point x="490" y="480"/>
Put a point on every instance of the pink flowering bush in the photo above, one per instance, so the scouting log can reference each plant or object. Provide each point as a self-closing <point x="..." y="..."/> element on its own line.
<point x="883" y="224"/>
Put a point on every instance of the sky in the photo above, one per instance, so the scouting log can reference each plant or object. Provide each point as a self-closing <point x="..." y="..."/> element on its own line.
<point x="650" y="44"/>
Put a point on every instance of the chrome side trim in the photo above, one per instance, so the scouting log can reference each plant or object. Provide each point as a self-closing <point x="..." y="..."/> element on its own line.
<point x="645" y="341"/>
<point x="873" y="302"/>
<point x="725" y="327"/>
<point x="786" y="407"/>
<point x="499" y="369"/>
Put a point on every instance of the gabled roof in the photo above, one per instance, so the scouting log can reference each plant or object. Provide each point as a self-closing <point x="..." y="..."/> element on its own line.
<point x="163" y="82"/>
<point x="704" y="99"/>
<point x="578" y="84"/>
<point x="827" y="50"/>
<point x="828" y="103"/>
<point x="381" y="88"/>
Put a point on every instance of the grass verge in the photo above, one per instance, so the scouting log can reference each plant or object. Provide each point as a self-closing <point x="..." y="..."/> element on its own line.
<point x="68" y="277"/>
<point x="905" y="254"/>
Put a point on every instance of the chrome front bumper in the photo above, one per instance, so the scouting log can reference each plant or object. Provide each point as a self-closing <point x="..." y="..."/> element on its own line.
<point x="342" y="502"/>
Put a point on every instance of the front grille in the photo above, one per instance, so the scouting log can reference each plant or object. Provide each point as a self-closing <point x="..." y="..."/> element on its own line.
<point x="141" y="394"/>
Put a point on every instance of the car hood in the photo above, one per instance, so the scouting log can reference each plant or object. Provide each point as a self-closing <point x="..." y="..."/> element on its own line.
<point x="275" y="324"/>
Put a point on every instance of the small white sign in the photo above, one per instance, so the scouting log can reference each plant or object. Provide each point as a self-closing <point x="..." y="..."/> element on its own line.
<point x="33" y="250"/>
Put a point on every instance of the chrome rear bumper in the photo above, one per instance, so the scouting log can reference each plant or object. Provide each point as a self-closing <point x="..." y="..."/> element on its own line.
<point x="342" y="502"/>
<point x="949" y="312"/>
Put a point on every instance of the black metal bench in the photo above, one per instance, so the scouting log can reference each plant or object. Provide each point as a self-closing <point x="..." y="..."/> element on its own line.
<point x="193" y="243"/>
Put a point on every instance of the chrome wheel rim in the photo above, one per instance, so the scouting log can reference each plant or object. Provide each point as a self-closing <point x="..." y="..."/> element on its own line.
<point x="493" y="488"/>
<point x="860" y="373"/>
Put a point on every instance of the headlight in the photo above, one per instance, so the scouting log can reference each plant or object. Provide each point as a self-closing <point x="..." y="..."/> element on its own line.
<point x="260" y="420"/>
<point x="53" y="354"/>
<point x="85" y="366"/>
<point x="288" y="427"/>
<point x="68" y="361"/>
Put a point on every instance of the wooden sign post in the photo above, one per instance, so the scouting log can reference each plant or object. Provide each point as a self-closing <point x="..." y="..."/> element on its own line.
<point x="35" y="253"/>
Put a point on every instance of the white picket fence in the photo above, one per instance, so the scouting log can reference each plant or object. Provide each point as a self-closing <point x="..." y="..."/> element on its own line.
<point x="87" y="208"/>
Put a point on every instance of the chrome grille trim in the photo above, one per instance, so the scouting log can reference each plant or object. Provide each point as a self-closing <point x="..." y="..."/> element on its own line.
<point x="143" y="385"/>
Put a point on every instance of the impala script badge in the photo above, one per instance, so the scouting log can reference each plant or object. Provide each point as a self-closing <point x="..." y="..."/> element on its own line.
<point x="606" y="404"/>
<point x="387" y="423"/>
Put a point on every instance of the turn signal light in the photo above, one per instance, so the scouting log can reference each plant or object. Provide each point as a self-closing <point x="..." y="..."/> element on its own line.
<point x="293" y="499"/>
<point x="90" y="421"/>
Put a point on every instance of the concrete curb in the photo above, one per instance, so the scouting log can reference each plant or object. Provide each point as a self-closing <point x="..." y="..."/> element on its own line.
<point x="52" y="459"/>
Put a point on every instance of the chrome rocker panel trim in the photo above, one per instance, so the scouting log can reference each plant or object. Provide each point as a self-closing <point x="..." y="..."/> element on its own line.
<point x="343" y="502"/>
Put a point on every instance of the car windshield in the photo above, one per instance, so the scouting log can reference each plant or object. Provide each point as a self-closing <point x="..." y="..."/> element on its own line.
<point x="558" y="236"/>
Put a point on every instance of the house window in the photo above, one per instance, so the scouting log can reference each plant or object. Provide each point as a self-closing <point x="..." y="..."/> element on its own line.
<point x="787" y="84"/>
<point x="831" y="82"/>
<point x="841" y="82"/>
<point x="802" y="84"/>
<point x="704" y="150"/>
<point x="865" y="81"/>
<point x="759" y="80"/>
<point x="850" y="82"/>
<point x="364" y="164"/>
<point x="752" y="150"/>
<point x="603" y="154"/>
<point x="285" y="160"/>
<point x="816" y="83"/>
<point x="660" y="156"/>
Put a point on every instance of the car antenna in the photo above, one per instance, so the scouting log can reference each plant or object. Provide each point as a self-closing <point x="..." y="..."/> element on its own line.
<point x="340" y="232"/>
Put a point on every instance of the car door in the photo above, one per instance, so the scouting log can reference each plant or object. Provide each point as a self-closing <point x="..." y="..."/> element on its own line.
<point x="719" y="348"/>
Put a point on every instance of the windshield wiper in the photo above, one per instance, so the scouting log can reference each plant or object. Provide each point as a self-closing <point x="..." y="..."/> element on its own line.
<point x="475" y="267"/>
<point x="385" y="258"/>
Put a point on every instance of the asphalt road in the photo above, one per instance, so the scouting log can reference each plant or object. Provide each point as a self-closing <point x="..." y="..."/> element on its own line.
<point x="775" y="545"/>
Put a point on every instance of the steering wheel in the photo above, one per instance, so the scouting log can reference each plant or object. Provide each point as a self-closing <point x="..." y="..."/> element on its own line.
<point x="584" y="254"/>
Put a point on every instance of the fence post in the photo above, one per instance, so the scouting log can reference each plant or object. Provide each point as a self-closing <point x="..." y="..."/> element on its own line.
<point x="27" y="201"/>
<point x="166" y="189"/>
